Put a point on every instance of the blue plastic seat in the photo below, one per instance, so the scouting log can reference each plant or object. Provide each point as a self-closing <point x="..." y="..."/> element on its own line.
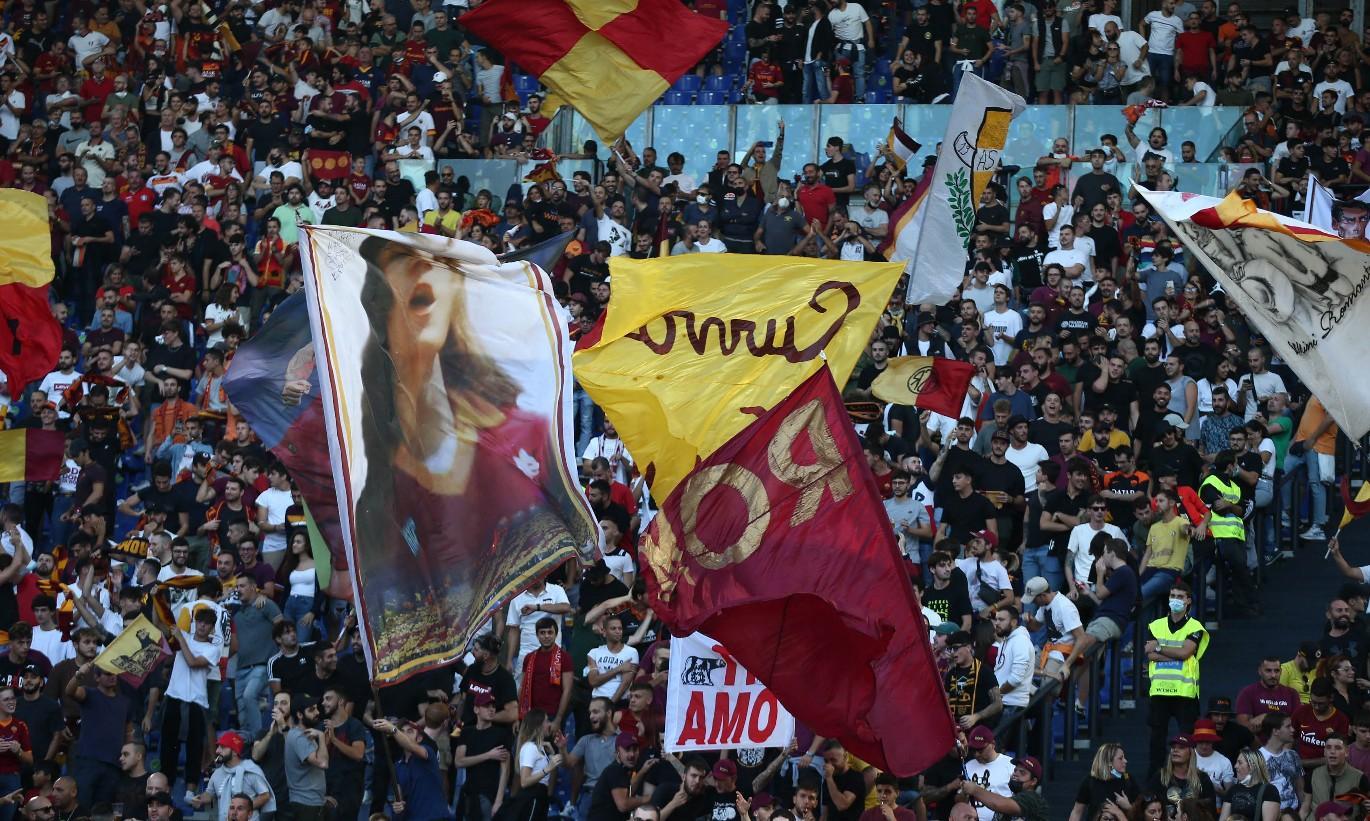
<point x="718" y="83"/>
<point x="688" y="83"/>
<point x="525" y="83"/>
<point x="713" y="97"/>
<point x="675" y="97"/>
<point x="879" y="96"/>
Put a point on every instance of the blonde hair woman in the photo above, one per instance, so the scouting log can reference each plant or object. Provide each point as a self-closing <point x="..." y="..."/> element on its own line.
<point x="1253" y="796"/>
<point x="1108" y="782"/>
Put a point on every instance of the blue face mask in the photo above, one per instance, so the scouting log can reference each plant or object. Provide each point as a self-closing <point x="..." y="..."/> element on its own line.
<point x="1115" y="773"/>
<point x="1176" y="606"/>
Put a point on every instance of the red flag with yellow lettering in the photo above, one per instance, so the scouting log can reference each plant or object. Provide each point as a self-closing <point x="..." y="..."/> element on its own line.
<point x="777" y="546"/>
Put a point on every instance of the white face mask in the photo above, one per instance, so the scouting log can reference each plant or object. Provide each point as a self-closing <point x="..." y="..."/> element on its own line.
<point x="702" y="200"/>
<point x="783" y="202"/>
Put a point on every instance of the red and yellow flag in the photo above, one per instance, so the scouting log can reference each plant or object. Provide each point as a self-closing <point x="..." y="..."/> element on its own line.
<point x="928" y="382"/>
<point x="778" y="547"/>
<point x="329" y="165"/>
<point x="608" y="58"/>
<point x="29" y="455"/>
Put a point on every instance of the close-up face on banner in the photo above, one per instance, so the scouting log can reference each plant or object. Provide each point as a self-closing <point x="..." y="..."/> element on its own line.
<point x="446" y="383"/>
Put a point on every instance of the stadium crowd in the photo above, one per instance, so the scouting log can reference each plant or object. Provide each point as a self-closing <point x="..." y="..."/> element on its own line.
<point x="1119" y="457"/>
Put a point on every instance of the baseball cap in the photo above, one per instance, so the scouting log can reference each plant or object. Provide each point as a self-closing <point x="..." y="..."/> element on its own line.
<point x="1310" y="650"/>
<point x="1015" y="420"/>
<point x="946" y="628"/>
<point x="960" y="638"/>
<point x="440" y="77"/>
<point x="163" y="797"/>
<point x="989" y="537"/>
<point x="1175" y="421"/>
<point x="724" y="769"/>
<point x="1221" y="705"/>
<point x="1327" y="808"/>
<point x="1031" y="764"/>
<point x="980" y="738"/>
<point x="999" y="433"/>
<point x="762" y="799"/>
<point x="1181" y="740"/>
<point x="1205" y="730"/>
<point x="1035" y="587"/>
<point x="926" y="318"/>
<point x="626" y="741"/>
<point x="232" y="741"/>
<point x="483" y="700"/>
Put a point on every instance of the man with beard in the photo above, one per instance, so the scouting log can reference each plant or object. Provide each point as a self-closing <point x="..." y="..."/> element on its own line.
<point x="593" y="753"/>
<point x="106" y="713"/>
<point x="1013" y="663"/>
<point x="947" y="593"/>
<point x="345" y="738"/>
<point x="1002" y="483"/>
<point x="86" y="643"/>
<point x="306" y="759"/>
<point x="1026" y="255"/>
<point x="486" y="675"/>
<point x="235" y="775"/>
<point x="41" y="713"/>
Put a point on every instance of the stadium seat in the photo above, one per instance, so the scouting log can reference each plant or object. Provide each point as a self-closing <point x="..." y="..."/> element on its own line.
<point x="879" y="96"/>
<point x="676" y="97"/>
<point x="688" y="83"/>
<point x="718" y="83"/>
<point x="882" y="67"/>
<point x="713" y="97"/>
<point x="525" y="84"/>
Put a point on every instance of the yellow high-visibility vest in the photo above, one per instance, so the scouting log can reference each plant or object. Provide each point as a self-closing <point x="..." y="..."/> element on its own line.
<point x="1225" y="526"/>
<point x="1172" y="677"/>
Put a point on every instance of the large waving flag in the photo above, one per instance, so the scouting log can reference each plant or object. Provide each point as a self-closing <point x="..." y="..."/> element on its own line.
<point x="1301" y="286"/>
<point x="693" y="347"/>
<point x="446" y="383"/>
<point x="778" y="547"/>
<point x="933" y="232"/>
<point x="30" y="338"/>
<point x="609" y="60"/>
<point x="899" y="146"/>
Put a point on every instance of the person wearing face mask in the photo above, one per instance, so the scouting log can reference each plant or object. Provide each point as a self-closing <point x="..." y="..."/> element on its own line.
<point x="739" y="216"/>
<point x="703" y="207"/>
<point x="1024" y="804"/>
<point x="1177" y="643"/>
<point x="782" y="225"/>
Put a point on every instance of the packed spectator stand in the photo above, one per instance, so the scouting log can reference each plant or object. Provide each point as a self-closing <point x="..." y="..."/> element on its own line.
<point x="1124" y="537"/>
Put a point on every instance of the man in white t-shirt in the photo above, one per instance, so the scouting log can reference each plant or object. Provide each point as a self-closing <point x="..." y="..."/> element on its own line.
<point x="1162" y="27"/>
<point x="1258" y="385"/>
<point x="981" y="567"/>
<point x="197" y="654"/>
<point x="1023" y="453"/>
<point x="610" y="667"/>
<point x="87" y="44"/>
<point x="611" y="447"/>
<point x="1130" y="46"/>
<point x="272" y="505"/>
<point x="47" y="636"/>
<point x="987" y="768"/>
<point x="540" y="599"/>
<point x="699" y="239"/>
<point x="851" y="25"/>
<point x="1075" y="260"/>
<point x="1079" y="561"/>
<point x="1198" y="93"/>
<point x="1332" y="81"/>
<point x="1058" y="615"/>
<point x="1002" y="324"/>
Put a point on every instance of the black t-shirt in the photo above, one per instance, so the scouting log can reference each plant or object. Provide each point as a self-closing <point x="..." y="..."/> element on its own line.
<point x="923" y="40"/>
<point x="180" y="358"/>
<point x="1180" y="788"/>
<point x="1108" y="248"/>
<point x="1005" y="478"/>
<point x="952" y="602"/>
<point x="483" y="778"/>
<point x="963" y="516"/>
<point x="500" y="684"/>
<point x="721" y="806"/>
<point x="291" y="670"/>
<point x="957" y="457"/>
<point x="1077" y="323"/>
<point x="602" y="806"/>
<point x="968" y="689"/>
<point x="695" y="808"/>
<point x="1062" y="502"/>
<point x="993" y="214"/>
<point x="44" y="719"/>
<point x="850" y="781"/>
<point x="1095" y="188"/>
<point x="1094" y="792"/>
<point x="1184" y="459"/>
<point x="834" y="173"/>
<point x="1249" y="462"/>
<point x="1249" y="802"/>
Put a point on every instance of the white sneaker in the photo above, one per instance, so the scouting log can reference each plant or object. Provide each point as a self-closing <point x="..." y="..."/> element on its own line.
<point x="1313" y="533"/>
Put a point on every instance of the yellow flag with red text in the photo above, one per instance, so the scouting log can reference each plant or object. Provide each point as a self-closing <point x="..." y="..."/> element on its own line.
<point x="694" y="348"/>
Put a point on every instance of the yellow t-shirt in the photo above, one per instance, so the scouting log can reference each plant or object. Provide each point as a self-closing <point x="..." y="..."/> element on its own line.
<point x="1116" y="439"/>
<point x="1168" y="544"/>
<point x="1291" y="676"/>
<point x="449" y="223"/>
<point x="857" y="765"/>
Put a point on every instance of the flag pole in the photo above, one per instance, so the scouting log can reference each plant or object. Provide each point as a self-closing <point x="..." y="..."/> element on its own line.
<point x="385" y="745"/>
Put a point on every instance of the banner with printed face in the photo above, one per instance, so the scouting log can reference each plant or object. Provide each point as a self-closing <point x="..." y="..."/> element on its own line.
<point x="1302" y="287"/>
<point x="713" y="703"/>
<point x="134" y="653"/>
<point x="446" y="383"/>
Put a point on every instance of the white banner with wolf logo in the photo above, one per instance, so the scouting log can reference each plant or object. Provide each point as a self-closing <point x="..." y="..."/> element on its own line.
<point x="935" y="241"/>
<point x="713" y="703"/>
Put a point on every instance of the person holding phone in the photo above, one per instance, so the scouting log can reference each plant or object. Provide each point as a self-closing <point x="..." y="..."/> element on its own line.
<point x="16" y="751"/>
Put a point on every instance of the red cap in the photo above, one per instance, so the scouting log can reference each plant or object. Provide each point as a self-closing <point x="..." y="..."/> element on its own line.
<point x="232" y="741"/>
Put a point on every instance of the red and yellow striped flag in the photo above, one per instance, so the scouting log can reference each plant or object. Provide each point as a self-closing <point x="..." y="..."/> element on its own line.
<point x="28" y="455"/>
<point x="608" y="58"/>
